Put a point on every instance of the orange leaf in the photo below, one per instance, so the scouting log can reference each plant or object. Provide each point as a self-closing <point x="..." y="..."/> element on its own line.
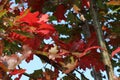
<point x="76" y="9"/>
<point x="17" y="71"/>
<point x="114" y="2"/>
<point x="115" y="51"/>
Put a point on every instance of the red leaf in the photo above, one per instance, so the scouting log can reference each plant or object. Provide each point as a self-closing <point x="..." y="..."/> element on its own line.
<point x="34" y="43"/>
<point x="14" y="36"/>
<point x="36" y="5"/>
<point x="29" y="18"/>
<point x="17" y="71"/>
<point x="115" y="51"/>
<point x="92" y="59"/>
<point x="92" y="40"/>
<point x="77" y="46"/>
<point x="86" y="3"/>
<point x="29" y="58"/>
<point x="45" y="30"/>
<point x="19" y="76"/>
<point x="60" y="11"/>
<point x="1" y="47"/>
<point x="43" y="18"/>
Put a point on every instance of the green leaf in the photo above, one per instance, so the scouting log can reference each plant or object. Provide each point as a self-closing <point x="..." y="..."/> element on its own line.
<point x="17" y="1"/>
<point x="63" y="29"/>
<point x="67" y="78"/>
<point x="37" y="73"/>
<point x="71" y="17"/>
<point x="51" y="18"/>
<point x="11" y="47"/>
<point x="100" y="4"/>
<point x="27" y="34"/>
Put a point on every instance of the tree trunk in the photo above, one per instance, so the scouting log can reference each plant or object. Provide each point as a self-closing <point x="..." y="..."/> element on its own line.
<point x="105" y="54"/>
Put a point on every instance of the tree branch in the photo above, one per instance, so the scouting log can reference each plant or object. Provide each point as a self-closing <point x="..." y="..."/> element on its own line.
<point x="105" y="54"/>
<point x="56" y="65"/>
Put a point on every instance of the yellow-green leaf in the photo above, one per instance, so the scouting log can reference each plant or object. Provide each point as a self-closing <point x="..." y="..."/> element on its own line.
<point x="3" y="12"/>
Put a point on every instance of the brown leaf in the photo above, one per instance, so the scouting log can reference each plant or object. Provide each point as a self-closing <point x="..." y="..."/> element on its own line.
<point x="47" y="76"/>
<point x="3" y="67"/>
<point x="1" y="47"/>
<point x="70" y="66"/>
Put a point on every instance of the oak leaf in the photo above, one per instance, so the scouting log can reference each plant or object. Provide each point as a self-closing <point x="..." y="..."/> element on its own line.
<point x="53" y="53"/>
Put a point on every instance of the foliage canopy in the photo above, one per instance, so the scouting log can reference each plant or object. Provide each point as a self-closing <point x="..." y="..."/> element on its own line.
<point x="75" y="40"/>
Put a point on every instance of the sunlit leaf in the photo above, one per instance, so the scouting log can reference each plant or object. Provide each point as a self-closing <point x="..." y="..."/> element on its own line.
<point x="17" y="71"/>
<point x="43" y="18"/>
<point x="76" y="8"/>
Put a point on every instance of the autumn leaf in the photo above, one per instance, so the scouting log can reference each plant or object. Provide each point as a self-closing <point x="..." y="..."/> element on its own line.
<point x="17" y="71"/>
<point x="92" y="59"/>
<point x="86" y="3"/>
<point x="70" y="66"/>
<point x="114" y="2"/>
<point x="36" y="5"/>
<point x="88" y="49"/>
<point x="19" y="76"/>
<point x="43" y="18"/>
<point x="60" y="11"/>
<point x="1" y="47"/>
<point x="3" y="12"/>
<point x="33" y="43"/>
<point x="29" y="58"/>
<point x="2" y="66"/>
<point x="76" y="8"/>
<point x="29" y="17"/>
<point x="53" y="53"/>
<point x="45" y="30"/>
<point x="115" y="52"/>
